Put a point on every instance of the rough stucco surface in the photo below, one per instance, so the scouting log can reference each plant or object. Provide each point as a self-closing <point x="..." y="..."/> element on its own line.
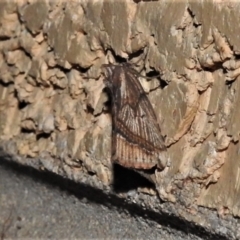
<point x="53" y="107"/>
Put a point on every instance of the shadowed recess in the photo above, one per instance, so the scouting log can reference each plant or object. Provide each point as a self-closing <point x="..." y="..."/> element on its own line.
<point x="125" y="179"/>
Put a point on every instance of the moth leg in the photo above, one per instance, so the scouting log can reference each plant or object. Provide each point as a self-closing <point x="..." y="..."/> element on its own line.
<point x="163" y="160"/>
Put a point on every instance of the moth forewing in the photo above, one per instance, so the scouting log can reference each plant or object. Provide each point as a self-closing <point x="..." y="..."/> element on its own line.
<point x="136" y="137"/>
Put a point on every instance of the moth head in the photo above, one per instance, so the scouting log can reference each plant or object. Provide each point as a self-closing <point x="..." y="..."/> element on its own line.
<point x="108" y="70"/>
<point x="108" y="73"/>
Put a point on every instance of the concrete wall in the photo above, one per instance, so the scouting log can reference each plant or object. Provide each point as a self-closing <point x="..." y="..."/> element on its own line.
<point x="53" y="107"/>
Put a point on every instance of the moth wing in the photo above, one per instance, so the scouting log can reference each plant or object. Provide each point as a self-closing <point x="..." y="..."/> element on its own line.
<point x="139" y="143"/>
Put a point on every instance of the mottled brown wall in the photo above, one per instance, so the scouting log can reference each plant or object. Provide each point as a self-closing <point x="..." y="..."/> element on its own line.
<point x="52" y="102"/>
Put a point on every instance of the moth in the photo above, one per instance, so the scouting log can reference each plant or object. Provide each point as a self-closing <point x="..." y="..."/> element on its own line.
<point x="137" y="141"/>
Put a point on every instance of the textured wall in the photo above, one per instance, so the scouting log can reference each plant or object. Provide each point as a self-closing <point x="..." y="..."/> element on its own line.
<point x="53" y="106"/>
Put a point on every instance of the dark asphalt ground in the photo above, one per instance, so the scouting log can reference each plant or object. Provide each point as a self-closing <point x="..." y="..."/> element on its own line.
<point x="34" y="205"/>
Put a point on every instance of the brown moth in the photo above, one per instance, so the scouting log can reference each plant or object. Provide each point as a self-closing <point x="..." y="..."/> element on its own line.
<point x="136" y="136"/>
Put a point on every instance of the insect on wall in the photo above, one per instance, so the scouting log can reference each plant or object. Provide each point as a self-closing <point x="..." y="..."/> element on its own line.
<point x="137" y="142"/>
